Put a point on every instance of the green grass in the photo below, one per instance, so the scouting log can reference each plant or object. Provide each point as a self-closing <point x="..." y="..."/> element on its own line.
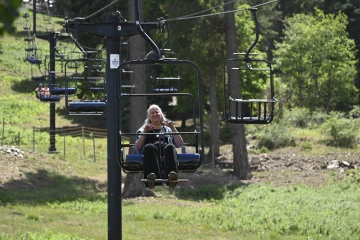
<point x="241" y="212"/>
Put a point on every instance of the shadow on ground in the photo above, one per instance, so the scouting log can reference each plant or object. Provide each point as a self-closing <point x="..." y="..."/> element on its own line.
<point x="207" y="185"/>
<point x="91" y="121"/>
<point x="42" y="187"/>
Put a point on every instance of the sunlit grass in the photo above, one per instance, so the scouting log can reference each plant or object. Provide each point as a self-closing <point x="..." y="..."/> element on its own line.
<point x="242" y="212"/>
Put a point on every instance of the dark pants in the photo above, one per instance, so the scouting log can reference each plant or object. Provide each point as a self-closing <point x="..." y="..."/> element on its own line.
<point x="152" y="162"/>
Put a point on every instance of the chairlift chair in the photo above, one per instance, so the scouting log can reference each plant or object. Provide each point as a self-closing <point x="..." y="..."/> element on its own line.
<point x="92" y="84"/>
<point x="129" y="162"/>
<point x="46" y="97"/>
<point x="238" y="107"/>
<point x="188" y="162"/>
<point x="33" y="59"/>
<point x="58" y="90"/>
<point x="164" y="78"/>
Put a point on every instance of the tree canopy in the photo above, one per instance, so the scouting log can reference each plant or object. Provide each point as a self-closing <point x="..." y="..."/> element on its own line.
<point x="9" y="11"/>
<point x="316" y="59"/>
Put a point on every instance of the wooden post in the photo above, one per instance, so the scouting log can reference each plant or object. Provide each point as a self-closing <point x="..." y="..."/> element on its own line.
<point x="3" y="128"/>
<point x="34" y="138"/>
<point x="94" y="149"/>
<point x="83" y="138"/>
<point x="64" y="146"/>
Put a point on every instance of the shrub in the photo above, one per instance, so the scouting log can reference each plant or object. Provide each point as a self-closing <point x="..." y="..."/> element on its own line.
<point x="297" y="117"/>
<point x="275" y="136"/>
<point x="317" y="119"/>
<point x="303" y="118"/>
<point x="225" y="133"/>
<point x="341" y="131"/>
<point x="306" y="146"/>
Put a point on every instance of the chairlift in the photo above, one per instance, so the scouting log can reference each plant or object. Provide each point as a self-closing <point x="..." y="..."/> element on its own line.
<point x="93" y="85"/>
<point x="37" y="76"/>
<point x="28" y="39"/>
<point x="45" y="96"/>
<point x="50" y="98"/>
<point x="189" y="162"/>
<point x="127" y="86"/>
<point x="27" y="27"/>
<point x="33" y="59"/>
<point x="162" y="79"/>
<point x="239" y="107"/>
<point x="56" y="89"/>
<point x="29" y="48"/>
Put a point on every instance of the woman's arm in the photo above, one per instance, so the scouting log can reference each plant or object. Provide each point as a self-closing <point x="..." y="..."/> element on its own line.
<point x="141" y="140"/>
<point x="178" y="139"/>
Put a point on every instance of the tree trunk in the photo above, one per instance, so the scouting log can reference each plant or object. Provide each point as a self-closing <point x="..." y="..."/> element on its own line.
<point x="214" y="121"/>
<point x="241" y="162"/>
<point x="133" y="185"/>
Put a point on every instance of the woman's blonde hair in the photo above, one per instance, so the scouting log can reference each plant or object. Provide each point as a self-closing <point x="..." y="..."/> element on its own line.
<point x="147" y="120"/>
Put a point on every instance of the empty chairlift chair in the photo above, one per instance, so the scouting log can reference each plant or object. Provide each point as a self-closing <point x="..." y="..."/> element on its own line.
<point x="240" y="107"/>
<point x="164" y="78"/>
<point x="92" y="88"/>
<point x="245" y="74"/>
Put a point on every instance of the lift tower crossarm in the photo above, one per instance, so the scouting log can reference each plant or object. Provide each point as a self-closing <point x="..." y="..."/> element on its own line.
<point x="106" y="29"/>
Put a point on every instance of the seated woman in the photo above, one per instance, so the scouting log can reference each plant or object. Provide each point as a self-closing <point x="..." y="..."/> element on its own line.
<point x="39" y="91"/>
<point x="46" y="91"/>
<point x="149" y="146"/>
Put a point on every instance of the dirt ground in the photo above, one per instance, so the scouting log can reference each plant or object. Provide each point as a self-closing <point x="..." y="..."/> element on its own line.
<point x="289" y="166"/>
<point x="278" y="168"/>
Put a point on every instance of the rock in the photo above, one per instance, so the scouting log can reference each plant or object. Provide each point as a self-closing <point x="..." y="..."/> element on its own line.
<point x="345" y="164"/>
<point x="13" y="151"/>
<point x="333" y="164"/>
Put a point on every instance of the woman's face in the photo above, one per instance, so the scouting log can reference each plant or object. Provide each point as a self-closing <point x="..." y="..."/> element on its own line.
<point x="155" y="115"/>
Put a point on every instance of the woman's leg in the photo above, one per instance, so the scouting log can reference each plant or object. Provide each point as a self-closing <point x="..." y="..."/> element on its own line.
<point x="150" y="159"/>
<point x="171" y="163"/>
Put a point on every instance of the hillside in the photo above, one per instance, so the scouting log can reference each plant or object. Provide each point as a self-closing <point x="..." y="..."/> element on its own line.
<point x="283" y="167"/>
<point x="290" y="165"/>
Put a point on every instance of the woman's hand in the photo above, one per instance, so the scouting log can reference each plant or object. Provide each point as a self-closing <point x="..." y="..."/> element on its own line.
<point x="148" y="127"/>
<point x="169" y="123"/>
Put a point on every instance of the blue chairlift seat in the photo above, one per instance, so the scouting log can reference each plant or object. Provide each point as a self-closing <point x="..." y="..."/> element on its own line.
<point x="62" y="91"/>
<point x="188" y="162"/>
<point x="87" y="106"/>
<point x="33" y="60"/>
<point x="38" y="78"/>
<point x="28" y="39"/>
<point x="49" y="98"/>
<point x="165" y="90"/>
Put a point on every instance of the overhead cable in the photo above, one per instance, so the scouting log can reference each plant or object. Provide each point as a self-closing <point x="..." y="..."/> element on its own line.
<point x="219" y="13"/>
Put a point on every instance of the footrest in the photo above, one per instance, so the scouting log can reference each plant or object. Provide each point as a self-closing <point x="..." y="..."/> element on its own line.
<point x="164" y="180"/>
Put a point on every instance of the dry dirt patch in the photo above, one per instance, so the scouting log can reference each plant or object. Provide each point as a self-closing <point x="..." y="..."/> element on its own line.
<point x="282" y="167"/>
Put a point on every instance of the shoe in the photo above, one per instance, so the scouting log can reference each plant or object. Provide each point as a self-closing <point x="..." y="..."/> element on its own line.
<point x="151" y="180"/>
<point x="173" y="178"/>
